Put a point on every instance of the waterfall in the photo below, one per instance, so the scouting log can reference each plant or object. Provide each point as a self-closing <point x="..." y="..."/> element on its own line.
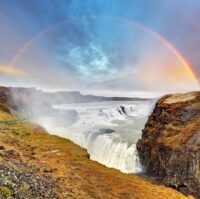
<point x="107" y="130"/>
<point x="108" y="150"/>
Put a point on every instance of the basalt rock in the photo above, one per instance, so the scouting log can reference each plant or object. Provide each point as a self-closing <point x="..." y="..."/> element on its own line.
<point x="170" y="144"/>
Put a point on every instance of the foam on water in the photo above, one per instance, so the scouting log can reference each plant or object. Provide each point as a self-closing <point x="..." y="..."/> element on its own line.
<point x="108" y="130"/>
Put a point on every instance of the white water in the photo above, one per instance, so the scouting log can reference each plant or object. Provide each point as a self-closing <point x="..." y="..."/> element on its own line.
<point x="116" y="147"/>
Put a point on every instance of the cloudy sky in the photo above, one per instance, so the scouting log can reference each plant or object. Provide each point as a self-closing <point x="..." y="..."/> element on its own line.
<point x="115" y="47"/>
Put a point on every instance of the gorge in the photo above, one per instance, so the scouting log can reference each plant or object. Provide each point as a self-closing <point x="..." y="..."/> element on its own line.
<point x="54" y="159"/>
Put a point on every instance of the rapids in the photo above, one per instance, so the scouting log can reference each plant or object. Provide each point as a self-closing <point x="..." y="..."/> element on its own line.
<point x="108" y="130"/>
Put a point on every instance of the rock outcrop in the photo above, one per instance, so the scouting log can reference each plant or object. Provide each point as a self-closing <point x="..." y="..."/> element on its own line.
<point x="170" y="144"/>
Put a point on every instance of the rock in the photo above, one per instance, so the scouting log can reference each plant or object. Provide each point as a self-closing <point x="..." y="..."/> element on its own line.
<point x="106" y="131"/>
<point x="48" y="170"/>
<point x="20" y="181"/>
<point x="2" y="148"/>
<point x="170" y="144"/>
<point x="123" y="109"/>
<point x="11" y="154"/>
<point x="5" y="109"/>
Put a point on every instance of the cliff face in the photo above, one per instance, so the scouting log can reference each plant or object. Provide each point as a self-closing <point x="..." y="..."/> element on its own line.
<point x="170" y="144"/>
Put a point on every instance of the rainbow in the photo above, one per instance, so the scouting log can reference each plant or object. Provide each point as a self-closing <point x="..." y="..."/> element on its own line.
<point x="178" y="54"/>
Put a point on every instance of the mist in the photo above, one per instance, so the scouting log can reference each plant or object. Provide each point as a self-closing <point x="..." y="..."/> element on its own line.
<point x="101" y="125"/>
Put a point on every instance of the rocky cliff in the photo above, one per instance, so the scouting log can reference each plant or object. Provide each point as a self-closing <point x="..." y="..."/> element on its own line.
<point x="170" y="144"/>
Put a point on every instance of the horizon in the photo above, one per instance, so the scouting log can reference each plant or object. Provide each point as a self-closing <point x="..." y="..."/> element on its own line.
<point x="144" y="95"/>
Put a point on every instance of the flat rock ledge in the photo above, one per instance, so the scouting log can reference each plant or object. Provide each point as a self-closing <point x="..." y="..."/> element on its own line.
<point x="170" y="144"/>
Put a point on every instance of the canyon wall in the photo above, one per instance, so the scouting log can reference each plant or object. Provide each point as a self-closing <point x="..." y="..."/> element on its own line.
<point x="170" y="144"/>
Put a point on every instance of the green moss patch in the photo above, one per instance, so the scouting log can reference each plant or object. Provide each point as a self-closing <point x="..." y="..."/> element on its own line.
<point x="5" y="191"/>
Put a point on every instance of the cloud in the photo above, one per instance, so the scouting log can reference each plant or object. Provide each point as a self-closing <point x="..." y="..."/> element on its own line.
<point x="97" y="54"/>
<point x="90" y="62"/>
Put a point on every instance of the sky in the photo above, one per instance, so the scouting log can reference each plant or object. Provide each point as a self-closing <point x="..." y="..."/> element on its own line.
<point x="113" y="48"/>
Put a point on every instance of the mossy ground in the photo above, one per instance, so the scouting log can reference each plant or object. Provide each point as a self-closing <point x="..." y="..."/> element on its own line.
<point x="76" y="176"/>
<point x="5" y="192"/>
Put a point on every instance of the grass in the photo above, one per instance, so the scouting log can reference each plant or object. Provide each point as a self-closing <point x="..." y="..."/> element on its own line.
<point x="176" y="135"/>
<point x="20" y="132"/>
<point x="5" y="191"/>
<point x="23" y="189"/>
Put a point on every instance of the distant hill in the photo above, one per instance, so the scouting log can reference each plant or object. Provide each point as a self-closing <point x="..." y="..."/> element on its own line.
<point x="60" y="97"/>
<point x="34" y="102"/>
